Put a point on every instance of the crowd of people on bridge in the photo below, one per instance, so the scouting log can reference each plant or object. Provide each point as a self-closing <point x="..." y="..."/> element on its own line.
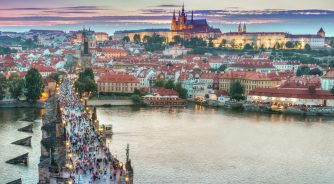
<point x="91" y="160"/>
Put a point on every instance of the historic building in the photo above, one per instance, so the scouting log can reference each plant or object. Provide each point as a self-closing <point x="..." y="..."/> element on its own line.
<point x="249" y="80"/>
<point x="181" y="26"/>
<point x="118" y="83"/>
<point x="182" y="23"/>
<point x="278" y="40"/>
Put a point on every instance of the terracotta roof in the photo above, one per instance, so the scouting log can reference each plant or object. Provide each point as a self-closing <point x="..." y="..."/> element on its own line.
<point x="118" y="78"/>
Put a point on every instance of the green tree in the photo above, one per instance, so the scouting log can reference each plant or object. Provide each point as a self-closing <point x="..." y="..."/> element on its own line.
<point x="307" y="47"/>
<point x="298" y="45"/>
<point x="146" y="39"/>
<point x="289" y="45"/>
<point x="303" y="70"/>
<point x="110" y="37"/>
<point x="55" y="76"/>
<point x="170" y="84"/>
<point x="16" y="85"/>
<point x="34" y="85"/>
<point x="160" y="83"/>
<point x="236" y="91"/>
<point x="210" y="45"/>
<point x="248" y="47"/>
<point x="223" y="43"/>
<point x="177" y="39"/>
<point x="222" y="68"/>
<point x="3" y="86"/>
<point x="136" y="38"/>
<point x="183" y="93"/>
<point x="86" y="82"/>
<point x="35" y="38"/>
<point x="126" y="39"/>
<point x="332" y="90"/>
<point x="315" y="71"/>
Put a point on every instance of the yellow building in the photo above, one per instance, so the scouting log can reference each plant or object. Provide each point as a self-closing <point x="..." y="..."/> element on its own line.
<point x="248" y="79"/>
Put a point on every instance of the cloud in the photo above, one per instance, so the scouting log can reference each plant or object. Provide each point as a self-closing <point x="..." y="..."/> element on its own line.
<point x="168" y="6"/>
<point x="84" y="8"/>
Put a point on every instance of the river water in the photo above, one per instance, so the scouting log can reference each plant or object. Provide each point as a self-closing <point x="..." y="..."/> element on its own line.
<point x="12" y="119"/>
<point x="207" y="145"/>
<point x="195" y="145"/>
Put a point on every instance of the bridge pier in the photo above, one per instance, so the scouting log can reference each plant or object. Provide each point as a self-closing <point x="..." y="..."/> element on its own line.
<point x="23" y="142"/>
<point x="22" y="159"/>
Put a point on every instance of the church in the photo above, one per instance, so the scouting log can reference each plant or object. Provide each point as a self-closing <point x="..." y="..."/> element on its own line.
<point x="182" y="23"/>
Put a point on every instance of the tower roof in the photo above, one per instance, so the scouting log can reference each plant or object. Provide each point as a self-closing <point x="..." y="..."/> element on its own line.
<point x="321" y="30"/>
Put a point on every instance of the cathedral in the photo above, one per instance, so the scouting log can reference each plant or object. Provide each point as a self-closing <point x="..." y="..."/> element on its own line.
<point x="182" y="23"/>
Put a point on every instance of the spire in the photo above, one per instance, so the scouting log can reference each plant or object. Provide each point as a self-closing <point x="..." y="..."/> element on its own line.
<point x="174" y="14"/>
<point x="244" y="29"/>
<point x="192" y="15"/>
<point x="183" y="14"/>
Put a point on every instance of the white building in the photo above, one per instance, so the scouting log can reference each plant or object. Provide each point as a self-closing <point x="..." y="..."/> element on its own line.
<point x="327" y="80"/>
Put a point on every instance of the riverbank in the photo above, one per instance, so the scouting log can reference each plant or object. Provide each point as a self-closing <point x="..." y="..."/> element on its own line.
<point x="20" y="104"/>
<point x="110" y="102"/>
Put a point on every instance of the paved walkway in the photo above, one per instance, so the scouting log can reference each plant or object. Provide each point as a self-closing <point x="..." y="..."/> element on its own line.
<point x="89" y="159"/>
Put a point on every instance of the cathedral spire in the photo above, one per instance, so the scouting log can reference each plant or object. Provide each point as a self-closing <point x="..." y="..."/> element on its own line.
<point x="174" y="14"/>
<point x="192" y="15"/>
<point x="183" y="14"/>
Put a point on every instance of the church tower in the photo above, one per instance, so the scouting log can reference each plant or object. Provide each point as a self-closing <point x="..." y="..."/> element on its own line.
<point x="244" y="29"/>
<point x="182" y="19"/>
<point x="85" y="59"/>
<point x="239" y="28"/>
<point x="174" y="23"/>
<point x="321" y="33"/>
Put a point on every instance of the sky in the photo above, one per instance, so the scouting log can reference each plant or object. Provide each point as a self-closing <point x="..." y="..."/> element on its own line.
<point x="125" y="14"/>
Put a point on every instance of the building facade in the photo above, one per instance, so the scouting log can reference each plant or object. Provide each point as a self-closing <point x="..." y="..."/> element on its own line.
<point x="117" y="83"/>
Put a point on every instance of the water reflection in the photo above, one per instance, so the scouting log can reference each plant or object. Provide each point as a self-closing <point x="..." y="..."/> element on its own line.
<point x="199" y="144"/>
<point x="10" y="120"/>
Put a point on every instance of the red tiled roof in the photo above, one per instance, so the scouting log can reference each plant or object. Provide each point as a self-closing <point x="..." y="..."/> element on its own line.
<point x="118" y="78"/>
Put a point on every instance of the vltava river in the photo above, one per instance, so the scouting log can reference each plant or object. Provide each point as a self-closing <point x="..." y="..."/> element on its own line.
<point x="12" y="119"/>
<point x="203" y="145"/>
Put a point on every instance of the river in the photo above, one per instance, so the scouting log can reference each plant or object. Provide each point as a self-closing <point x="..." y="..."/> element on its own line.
<point x="195" y="145"/>
<point x="207" y="145"/>
<point x="12" y="119"/>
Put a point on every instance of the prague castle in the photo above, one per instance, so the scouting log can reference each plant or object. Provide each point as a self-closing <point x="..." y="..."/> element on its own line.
<point x="187" y="28"/>
<point x="183" y="24"/>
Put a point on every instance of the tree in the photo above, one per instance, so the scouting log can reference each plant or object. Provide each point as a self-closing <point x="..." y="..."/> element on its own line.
<point x="236" y="91"/>
<point x="307" y="47"/>
<point x="35" y="38"/>
<point x="248" y="47"/>
<point x="136" y="99"/>
<point x="34" y="85"/>
<point x="223" y="43"/>
<point x="232" y="43"/>
<point x="126" y="39"/>
<point x="332" y="90"/>
<point x="289" y="45"/>
<point x="16" y="85"/>
<point x="136" y="38"/>
<point x="86" y="82"/>
<point x="3" y="86"/>
<point x="160" y="83"/>
<point x="55" y="76"/>
<point x="298" y="45"/>
<point x="110" y="37"/>
<point x="183" y="93"/>
<point x="146" y="39"/>
<point x="210" y="45"/>
<point x="222" y="68"/>
<point x="303" y="70"/>
<point x="170" y="84"/>
<point x="315" y="71"/>
<point x="177" y="39"/>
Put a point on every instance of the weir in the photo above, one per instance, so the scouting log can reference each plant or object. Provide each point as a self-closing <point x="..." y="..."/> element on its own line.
<point x="18" y="181"/>
<point x="26" y="128"/>
<point x="23" y="142"/>
<point x="22" y="159"/>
